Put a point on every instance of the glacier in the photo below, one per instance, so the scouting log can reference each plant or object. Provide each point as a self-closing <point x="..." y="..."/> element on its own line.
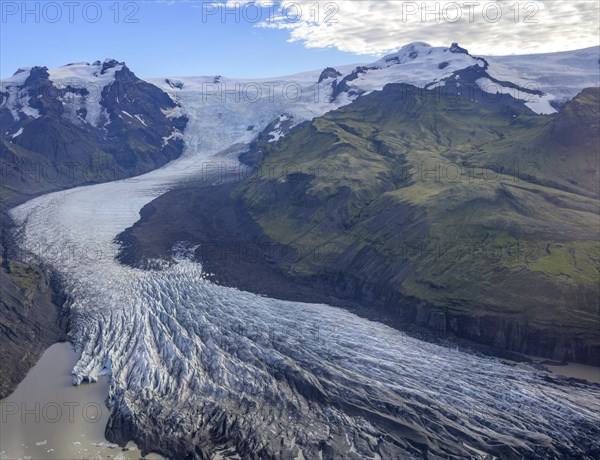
<point x="207" y="371"/>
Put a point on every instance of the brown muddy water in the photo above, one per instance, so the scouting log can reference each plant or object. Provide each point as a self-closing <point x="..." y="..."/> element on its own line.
<point x="48" y="418"/>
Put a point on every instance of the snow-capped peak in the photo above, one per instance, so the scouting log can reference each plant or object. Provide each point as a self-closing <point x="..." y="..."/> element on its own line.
<point x="21" y="70"/>
<point x="85" y="73"/>
<point x="78" y="86"/>
<point x="539" y="82"/>
<point x="417" y="50"/>
<point x="405" y="54"/>
<point x="418" y="63"/>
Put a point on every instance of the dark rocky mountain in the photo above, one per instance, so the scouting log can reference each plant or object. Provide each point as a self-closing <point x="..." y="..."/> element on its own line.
<point x="329" y="72"/>
<point x="69" y="132"/>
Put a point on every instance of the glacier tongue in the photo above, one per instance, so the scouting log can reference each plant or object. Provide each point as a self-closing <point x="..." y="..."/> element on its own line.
<point x="199" y="368"/>
<point x="215" y="366"/>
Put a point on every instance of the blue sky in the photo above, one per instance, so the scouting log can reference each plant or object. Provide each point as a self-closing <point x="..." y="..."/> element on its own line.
<point x="189" y="37"/>
<point x="168" y="40"/>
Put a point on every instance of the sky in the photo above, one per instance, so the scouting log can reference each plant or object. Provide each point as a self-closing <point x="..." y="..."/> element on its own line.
<point x="261" y="38"/>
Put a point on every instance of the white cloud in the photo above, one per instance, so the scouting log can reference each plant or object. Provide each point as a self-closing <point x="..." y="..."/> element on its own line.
<point x="484" y="27"/>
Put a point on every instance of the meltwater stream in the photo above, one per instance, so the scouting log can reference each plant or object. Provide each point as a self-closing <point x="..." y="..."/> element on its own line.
<point x="211" y="371"/>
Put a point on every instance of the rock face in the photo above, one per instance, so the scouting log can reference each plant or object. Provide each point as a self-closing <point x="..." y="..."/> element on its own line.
<point x="329" y="72"/>
<point x="578" y="121"/>
<point x="342" y="87"/>
<point x="457" y="49"/>
<point x="31" y="316"/>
